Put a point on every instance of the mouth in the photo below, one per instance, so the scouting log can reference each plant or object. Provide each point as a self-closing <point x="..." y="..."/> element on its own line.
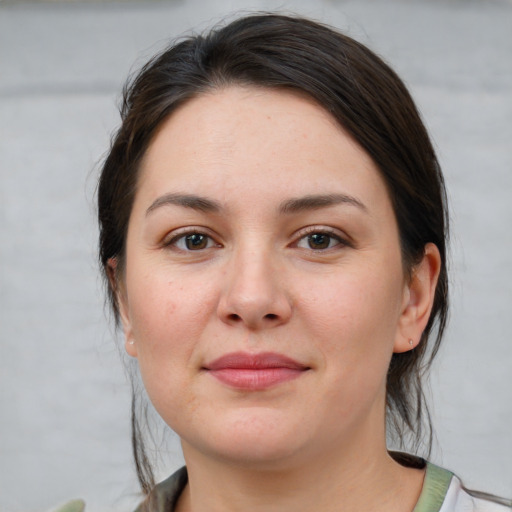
<point x="254" y="372"/>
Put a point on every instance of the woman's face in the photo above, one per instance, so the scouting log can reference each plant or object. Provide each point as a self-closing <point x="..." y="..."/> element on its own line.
<point x="263" y="288"/>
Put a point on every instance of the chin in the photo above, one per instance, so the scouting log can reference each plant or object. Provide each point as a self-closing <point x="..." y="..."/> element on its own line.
<point x="259" y="441"/>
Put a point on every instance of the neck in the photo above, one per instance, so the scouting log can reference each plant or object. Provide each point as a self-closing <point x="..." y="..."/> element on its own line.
<point x="345" y="480"/>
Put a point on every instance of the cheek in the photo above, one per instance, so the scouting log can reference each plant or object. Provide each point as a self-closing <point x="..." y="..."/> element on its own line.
<point x="168" y="316"/>
<point x="354" y="302"/>
<point x="354" y="322"/>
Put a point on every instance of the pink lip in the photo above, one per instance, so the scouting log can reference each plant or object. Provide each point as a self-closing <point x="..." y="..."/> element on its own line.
<point x="254" y="372"/>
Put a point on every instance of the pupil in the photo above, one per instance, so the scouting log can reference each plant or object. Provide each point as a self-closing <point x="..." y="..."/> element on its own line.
<point x="319" y="241"/>
<point x="196" y="241"/>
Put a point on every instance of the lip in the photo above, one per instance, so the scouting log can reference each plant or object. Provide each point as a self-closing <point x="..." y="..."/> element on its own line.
<point x="254" y="372"/>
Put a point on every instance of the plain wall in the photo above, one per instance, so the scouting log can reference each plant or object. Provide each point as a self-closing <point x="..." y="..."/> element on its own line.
<point x="64" y="399"/>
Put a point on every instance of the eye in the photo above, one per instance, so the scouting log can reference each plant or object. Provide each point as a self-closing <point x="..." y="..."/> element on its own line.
<point x="319" y="241"/>
<point x="192" y="241"/>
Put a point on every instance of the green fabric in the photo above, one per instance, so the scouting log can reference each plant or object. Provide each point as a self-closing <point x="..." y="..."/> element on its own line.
<point x="72" y="506"/>
<point x="435" y="487"/>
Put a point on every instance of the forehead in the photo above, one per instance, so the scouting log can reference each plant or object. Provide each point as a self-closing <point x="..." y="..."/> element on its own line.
<point x="272" y="141"/>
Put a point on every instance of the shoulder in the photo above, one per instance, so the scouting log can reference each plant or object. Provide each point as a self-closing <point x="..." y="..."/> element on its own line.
<point x="164" y="496"/>
<point x="461" y="499"/>
<point x="72" y="506"/>
<point x="491" y="504"/>
<point x="162" y="499"/>
<point x="443" y="492"/>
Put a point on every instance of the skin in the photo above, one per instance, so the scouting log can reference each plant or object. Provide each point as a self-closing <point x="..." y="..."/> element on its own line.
<point x="258" y="282"/>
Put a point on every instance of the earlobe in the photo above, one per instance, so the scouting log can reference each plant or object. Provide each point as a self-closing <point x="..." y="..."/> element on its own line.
<point x="418" y="300"/>
<point x="122" y="307"/>
<point x="130" y="347"/>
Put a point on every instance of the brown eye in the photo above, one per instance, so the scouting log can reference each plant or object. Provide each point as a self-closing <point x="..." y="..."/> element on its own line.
<point x="192" y="242"/>
<point x="319" y="241"/>
<point x="196" y="241"/>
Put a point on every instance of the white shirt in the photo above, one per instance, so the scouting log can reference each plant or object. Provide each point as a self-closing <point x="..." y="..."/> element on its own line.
<point x="457" y="499"/>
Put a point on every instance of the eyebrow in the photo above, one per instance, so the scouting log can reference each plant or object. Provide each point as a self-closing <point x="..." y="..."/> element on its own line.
<point x="315" y="202"/>
<point x="294" y="205"/>
<point x="192" y="201"/>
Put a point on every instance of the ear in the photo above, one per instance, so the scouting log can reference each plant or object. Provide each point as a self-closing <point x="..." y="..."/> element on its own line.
<point x="419" y="295"/>
<point x="122" y="306"/>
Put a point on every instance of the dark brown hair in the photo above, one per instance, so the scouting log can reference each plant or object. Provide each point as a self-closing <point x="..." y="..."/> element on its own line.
<point x="366" y="98"/>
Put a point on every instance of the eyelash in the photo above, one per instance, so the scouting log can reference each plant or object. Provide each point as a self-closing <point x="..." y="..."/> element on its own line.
<point x="182" y="236"/>
<point x="304" y="235"/>
<point x="323" y="231"/>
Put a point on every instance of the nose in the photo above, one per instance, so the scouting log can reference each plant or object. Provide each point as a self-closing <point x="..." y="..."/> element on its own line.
<point x="254" y="293"/>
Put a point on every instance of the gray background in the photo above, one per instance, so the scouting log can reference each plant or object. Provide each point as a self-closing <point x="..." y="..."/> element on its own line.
<point x="63" y="394"/>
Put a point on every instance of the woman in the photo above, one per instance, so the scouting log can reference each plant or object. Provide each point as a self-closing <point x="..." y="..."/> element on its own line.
<point x="273" y="227"/>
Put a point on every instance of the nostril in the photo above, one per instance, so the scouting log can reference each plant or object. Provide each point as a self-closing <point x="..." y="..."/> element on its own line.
<point x="271" y="316"/>
<point x="234" y="317"/>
